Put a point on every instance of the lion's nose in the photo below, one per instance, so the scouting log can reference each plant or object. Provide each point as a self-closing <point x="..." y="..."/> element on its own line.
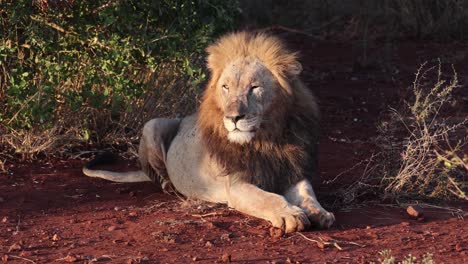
<point x="236" y="118"/>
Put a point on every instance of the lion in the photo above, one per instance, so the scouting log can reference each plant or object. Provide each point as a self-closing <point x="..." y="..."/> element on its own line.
<point x="251" y="145"/>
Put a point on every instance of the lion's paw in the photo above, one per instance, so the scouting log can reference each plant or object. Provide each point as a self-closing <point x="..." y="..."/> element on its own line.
<point x="291" y="219"/>
<point x="322" y="219"/>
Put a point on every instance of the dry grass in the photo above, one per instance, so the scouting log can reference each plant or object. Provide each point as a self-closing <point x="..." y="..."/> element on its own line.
<point x="387" y="258"/>
<point x="169" y="95"/>
<point x="429" y="162"/>
<point x="421" y="146"/>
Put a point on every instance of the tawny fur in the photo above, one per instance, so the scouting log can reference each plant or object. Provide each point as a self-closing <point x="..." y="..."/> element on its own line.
<point x="284" y="150"/>
<point x="266" y="171"/>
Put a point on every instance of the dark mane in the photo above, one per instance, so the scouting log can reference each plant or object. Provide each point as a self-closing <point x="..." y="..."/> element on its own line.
<point x="272" y="161"/>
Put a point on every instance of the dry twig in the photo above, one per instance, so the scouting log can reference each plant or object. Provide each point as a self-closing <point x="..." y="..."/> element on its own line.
<point x="210" y="214"/>
<point x="22" y="258"/>
<point x="322" y="243"/>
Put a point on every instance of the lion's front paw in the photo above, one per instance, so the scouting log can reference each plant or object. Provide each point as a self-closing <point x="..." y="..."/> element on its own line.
<point x="291" y="219"/>
<point x="322" y="219"/>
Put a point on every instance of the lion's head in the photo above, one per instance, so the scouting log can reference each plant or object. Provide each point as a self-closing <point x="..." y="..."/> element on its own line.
<point x="255" y="106"/>
<point x="249" y="73"/>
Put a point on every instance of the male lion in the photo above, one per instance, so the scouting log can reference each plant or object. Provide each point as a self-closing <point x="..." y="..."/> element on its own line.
<point x="253" y="142"/>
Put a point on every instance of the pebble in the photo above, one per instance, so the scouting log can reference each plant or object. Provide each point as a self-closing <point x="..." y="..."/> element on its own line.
<point x="226" y="237"/>
<point x="133" y="214"/>
<point x="414" y="211"/>
<point x="70" y="258"/>
<point x="111" y="228"/>
<point x="226" y="258"/>
<point x="458" y="247"/>
<point x="55" y="237"/>
<point x="208" y="244"/>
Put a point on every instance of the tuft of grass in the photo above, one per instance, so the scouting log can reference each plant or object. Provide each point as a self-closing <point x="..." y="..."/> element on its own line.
<point x="421" y="145"/>
<point x="429" y="162"/>
<point x="387" y="258"/>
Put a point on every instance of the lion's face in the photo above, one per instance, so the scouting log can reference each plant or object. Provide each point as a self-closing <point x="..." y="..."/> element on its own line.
<point x="246" y="88"/>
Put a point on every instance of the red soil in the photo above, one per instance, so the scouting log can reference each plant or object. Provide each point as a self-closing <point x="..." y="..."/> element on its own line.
<point x="52" y="212"/>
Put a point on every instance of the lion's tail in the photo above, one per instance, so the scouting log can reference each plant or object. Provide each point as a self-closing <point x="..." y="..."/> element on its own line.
<point x="130" y="176"/>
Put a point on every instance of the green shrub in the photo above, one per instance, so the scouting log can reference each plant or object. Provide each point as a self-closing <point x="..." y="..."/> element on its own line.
<point x="74" y="62"/>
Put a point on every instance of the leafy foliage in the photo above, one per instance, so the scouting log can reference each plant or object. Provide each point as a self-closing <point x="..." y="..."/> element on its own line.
<point x="63" y="61"/>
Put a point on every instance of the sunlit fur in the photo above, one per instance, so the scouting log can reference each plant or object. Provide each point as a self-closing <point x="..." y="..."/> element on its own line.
<point x="283" y="149"/>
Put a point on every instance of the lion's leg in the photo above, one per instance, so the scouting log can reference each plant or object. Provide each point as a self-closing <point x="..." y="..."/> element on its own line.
<point x="155" y="141"/>
<point x="302" y="195"/>
<point x="249" y="199"/>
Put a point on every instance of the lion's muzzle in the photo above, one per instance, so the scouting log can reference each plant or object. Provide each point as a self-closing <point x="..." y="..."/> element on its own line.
<point x="240" y="129"/>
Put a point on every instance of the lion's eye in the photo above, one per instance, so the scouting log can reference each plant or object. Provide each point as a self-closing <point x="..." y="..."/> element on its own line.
<point x="225" y="88"/>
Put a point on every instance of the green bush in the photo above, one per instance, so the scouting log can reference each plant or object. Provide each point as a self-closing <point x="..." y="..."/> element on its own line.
<point x="63" y="60"/>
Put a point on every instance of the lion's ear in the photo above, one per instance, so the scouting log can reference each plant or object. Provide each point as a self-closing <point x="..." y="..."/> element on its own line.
<point x="211" y="60"/>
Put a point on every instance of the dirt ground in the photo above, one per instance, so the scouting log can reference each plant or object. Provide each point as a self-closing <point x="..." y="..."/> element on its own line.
<point x="50" y="212"/>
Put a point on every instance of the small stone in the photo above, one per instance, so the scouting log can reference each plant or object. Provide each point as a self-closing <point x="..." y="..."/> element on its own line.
<point x="208" y="244"/>
<point x="72" y="221"/>
<point x="458" y="247"/>
<point x="132" y="214"/>
<point x="414" y="211"/>
<point x="226" y="258"/>
<point x="70" y="258"/>
<point x="195" y="258"/>
<point x="226" y="237"/>
<point x="111" y="228"/>
<point x="320" y="245"/>
<point x="55" y="237"/>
